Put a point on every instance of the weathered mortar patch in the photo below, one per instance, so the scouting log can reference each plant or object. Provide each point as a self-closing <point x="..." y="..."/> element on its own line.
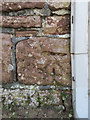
<point x="33" y="96"/>
<point x="20" y="96"/>
<point x="37" y="101"/>
<point x="61" y="12"/>
<point x="58" y="4"/>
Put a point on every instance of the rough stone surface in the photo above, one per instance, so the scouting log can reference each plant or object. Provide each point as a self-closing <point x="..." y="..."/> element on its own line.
<point x="53" y="5"/>
<point x="32" y="96"/>
<point x="43" y="86"/>
<point x="57" y="25"/>
<point x="43" y="61"/>
<point x="57" y="4"/>
<point x="22" y="99"/>
<point x="61" y="12"/>
<point x="7" y="68"/>
<point x="14" y="6"/>
<point x="26" y="33"/>
<point x="7" y="30"/>
<point x="17" y="22"/>
<point x="26" y="12"/>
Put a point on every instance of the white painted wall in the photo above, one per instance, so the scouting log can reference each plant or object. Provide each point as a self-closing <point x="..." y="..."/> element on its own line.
<point x="89" y="43"/>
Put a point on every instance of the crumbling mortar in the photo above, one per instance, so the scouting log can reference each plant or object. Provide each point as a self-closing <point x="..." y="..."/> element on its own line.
<point x="54" y="36"/>
<point x="8" y="30"/>
<point x="15" y="40"/>
<point x="40" y="34"/>
<point x="17" y="85"/>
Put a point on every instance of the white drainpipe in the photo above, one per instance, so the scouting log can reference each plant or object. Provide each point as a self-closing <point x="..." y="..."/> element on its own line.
<point x="79" y="57"/>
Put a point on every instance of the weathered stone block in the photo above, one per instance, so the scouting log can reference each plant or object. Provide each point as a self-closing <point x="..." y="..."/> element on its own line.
<point x="37" y="103"/>
<point x="15" y="6"/>
<point x="21" y="21"/>
<point x="57" y="25"/>
<point x="34" y="97"/>
<point x="26" y="33"/>
<point x="43" y="61"/>
<point x="57" y="4"/>
<point x="7" y="68"/>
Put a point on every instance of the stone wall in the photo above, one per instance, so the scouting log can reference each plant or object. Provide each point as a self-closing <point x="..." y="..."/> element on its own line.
<point x="36" y="55"/>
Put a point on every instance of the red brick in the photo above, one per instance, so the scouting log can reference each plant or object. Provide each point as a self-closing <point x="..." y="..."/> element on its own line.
<point x="17" y="22"/>
<point x="7" y="68"/>
<point x="57" y="25"/>
<point x="38" y="58"/>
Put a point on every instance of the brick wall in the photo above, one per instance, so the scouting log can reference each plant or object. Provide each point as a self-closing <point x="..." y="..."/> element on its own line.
<point x="36" y="53"/>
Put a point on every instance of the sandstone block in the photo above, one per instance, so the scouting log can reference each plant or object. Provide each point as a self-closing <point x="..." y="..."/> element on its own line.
<point x="58" y="4"/>
<point x="7" y="68"/>
<point x="57" y="25"/>
<point x="43" y="60"/>
<point x="21" y="21"/>
<point x="15" y="6"/>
